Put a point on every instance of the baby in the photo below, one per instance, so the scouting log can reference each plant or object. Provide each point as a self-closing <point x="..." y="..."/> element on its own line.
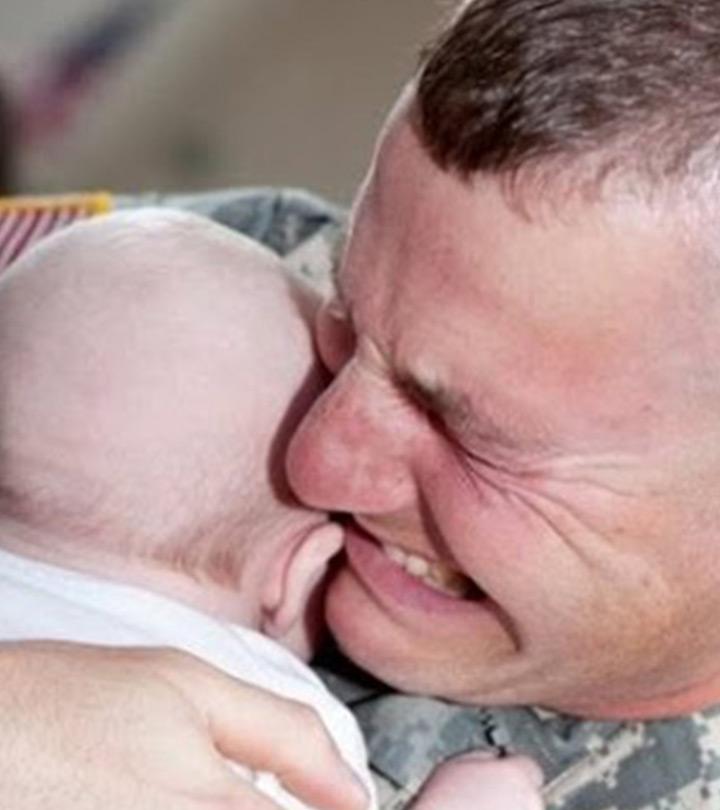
<point x="152" y="368"/>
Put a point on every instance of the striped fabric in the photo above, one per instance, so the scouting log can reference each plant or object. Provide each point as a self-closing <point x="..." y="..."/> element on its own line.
<point x="25" y="220"/>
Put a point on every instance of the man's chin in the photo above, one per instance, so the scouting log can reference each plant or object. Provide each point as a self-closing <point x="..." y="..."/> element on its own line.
<point x="464" y="673"/>
<point x="470" y="674"/>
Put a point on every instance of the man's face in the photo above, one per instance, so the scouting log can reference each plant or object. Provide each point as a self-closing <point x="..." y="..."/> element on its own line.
<point x="529" y="401"/>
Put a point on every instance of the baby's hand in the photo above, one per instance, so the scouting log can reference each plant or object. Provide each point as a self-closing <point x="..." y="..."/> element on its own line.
<point x="474" y="782"/>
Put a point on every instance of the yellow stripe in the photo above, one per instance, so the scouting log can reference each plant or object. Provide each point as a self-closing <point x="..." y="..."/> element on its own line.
<point x="89" y="204"/>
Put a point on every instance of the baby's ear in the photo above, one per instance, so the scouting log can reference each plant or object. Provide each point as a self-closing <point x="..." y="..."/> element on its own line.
<point x="304" y="573"/>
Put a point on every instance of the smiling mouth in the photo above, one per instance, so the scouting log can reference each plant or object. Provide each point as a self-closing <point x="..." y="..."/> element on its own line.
<point x="436" y="575"/>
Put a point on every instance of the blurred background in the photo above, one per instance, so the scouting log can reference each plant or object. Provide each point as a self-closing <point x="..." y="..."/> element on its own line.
<point x="133" y="95"/>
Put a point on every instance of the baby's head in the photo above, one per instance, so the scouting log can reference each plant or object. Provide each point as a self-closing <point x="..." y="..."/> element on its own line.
<point x="152" y="368"/>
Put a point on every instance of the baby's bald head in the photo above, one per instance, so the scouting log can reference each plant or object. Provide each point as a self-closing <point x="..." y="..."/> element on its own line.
<point x="152" y="365"/>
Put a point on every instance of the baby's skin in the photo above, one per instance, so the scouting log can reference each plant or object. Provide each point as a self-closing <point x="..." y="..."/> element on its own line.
<point x="153" y="366"/>
<point x="475" y="782"/>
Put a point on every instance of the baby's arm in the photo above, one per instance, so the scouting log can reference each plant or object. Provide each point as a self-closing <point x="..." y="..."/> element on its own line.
<point x="473" y="782"/>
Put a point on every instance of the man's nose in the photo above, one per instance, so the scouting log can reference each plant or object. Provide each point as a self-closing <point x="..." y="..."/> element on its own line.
<point x="351" y="453"/>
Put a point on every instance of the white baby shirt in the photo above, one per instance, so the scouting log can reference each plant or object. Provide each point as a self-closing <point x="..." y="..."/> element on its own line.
<point x="41" y="601"/>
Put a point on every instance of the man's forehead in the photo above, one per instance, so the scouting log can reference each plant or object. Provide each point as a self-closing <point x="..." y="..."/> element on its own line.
<point x="514" y="350"/>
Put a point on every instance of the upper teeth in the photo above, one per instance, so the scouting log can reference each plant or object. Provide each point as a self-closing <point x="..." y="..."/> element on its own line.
<point x="435" y="574"/>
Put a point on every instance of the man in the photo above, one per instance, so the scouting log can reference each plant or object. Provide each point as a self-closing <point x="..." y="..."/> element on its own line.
<point x="524" y="408"/>
<point x="495" y="410"/>
<point x="523" y="421"/>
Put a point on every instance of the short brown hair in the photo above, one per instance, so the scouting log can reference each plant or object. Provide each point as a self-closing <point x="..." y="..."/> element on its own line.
<point x="512" y="84"/>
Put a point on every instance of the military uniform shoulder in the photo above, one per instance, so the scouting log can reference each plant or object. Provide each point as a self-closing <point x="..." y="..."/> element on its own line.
<point x="588" y="765"/>
<point x="303" y="228"/>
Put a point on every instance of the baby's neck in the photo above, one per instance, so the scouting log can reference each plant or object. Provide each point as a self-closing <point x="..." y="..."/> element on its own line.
<point x="215" y="599"/>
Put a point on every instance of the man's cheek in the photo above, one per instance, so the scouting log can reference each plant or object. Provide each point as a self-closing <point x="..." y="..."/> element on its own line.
<point x="493" y="538"/>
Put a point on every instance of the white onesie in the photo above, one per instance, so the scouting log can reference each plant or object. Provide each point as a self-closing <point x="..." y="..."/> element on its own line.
<point x="41" y="601"/>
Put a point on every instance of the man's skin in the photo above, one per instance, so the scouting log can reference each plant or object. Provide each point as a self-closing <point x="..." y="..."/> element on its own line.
<point x="529" y="396"/>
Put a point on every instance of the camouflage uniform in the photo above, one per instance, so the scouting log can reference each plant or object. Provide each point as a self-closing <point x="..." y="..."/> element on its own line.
<point x="659" y="765"/>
